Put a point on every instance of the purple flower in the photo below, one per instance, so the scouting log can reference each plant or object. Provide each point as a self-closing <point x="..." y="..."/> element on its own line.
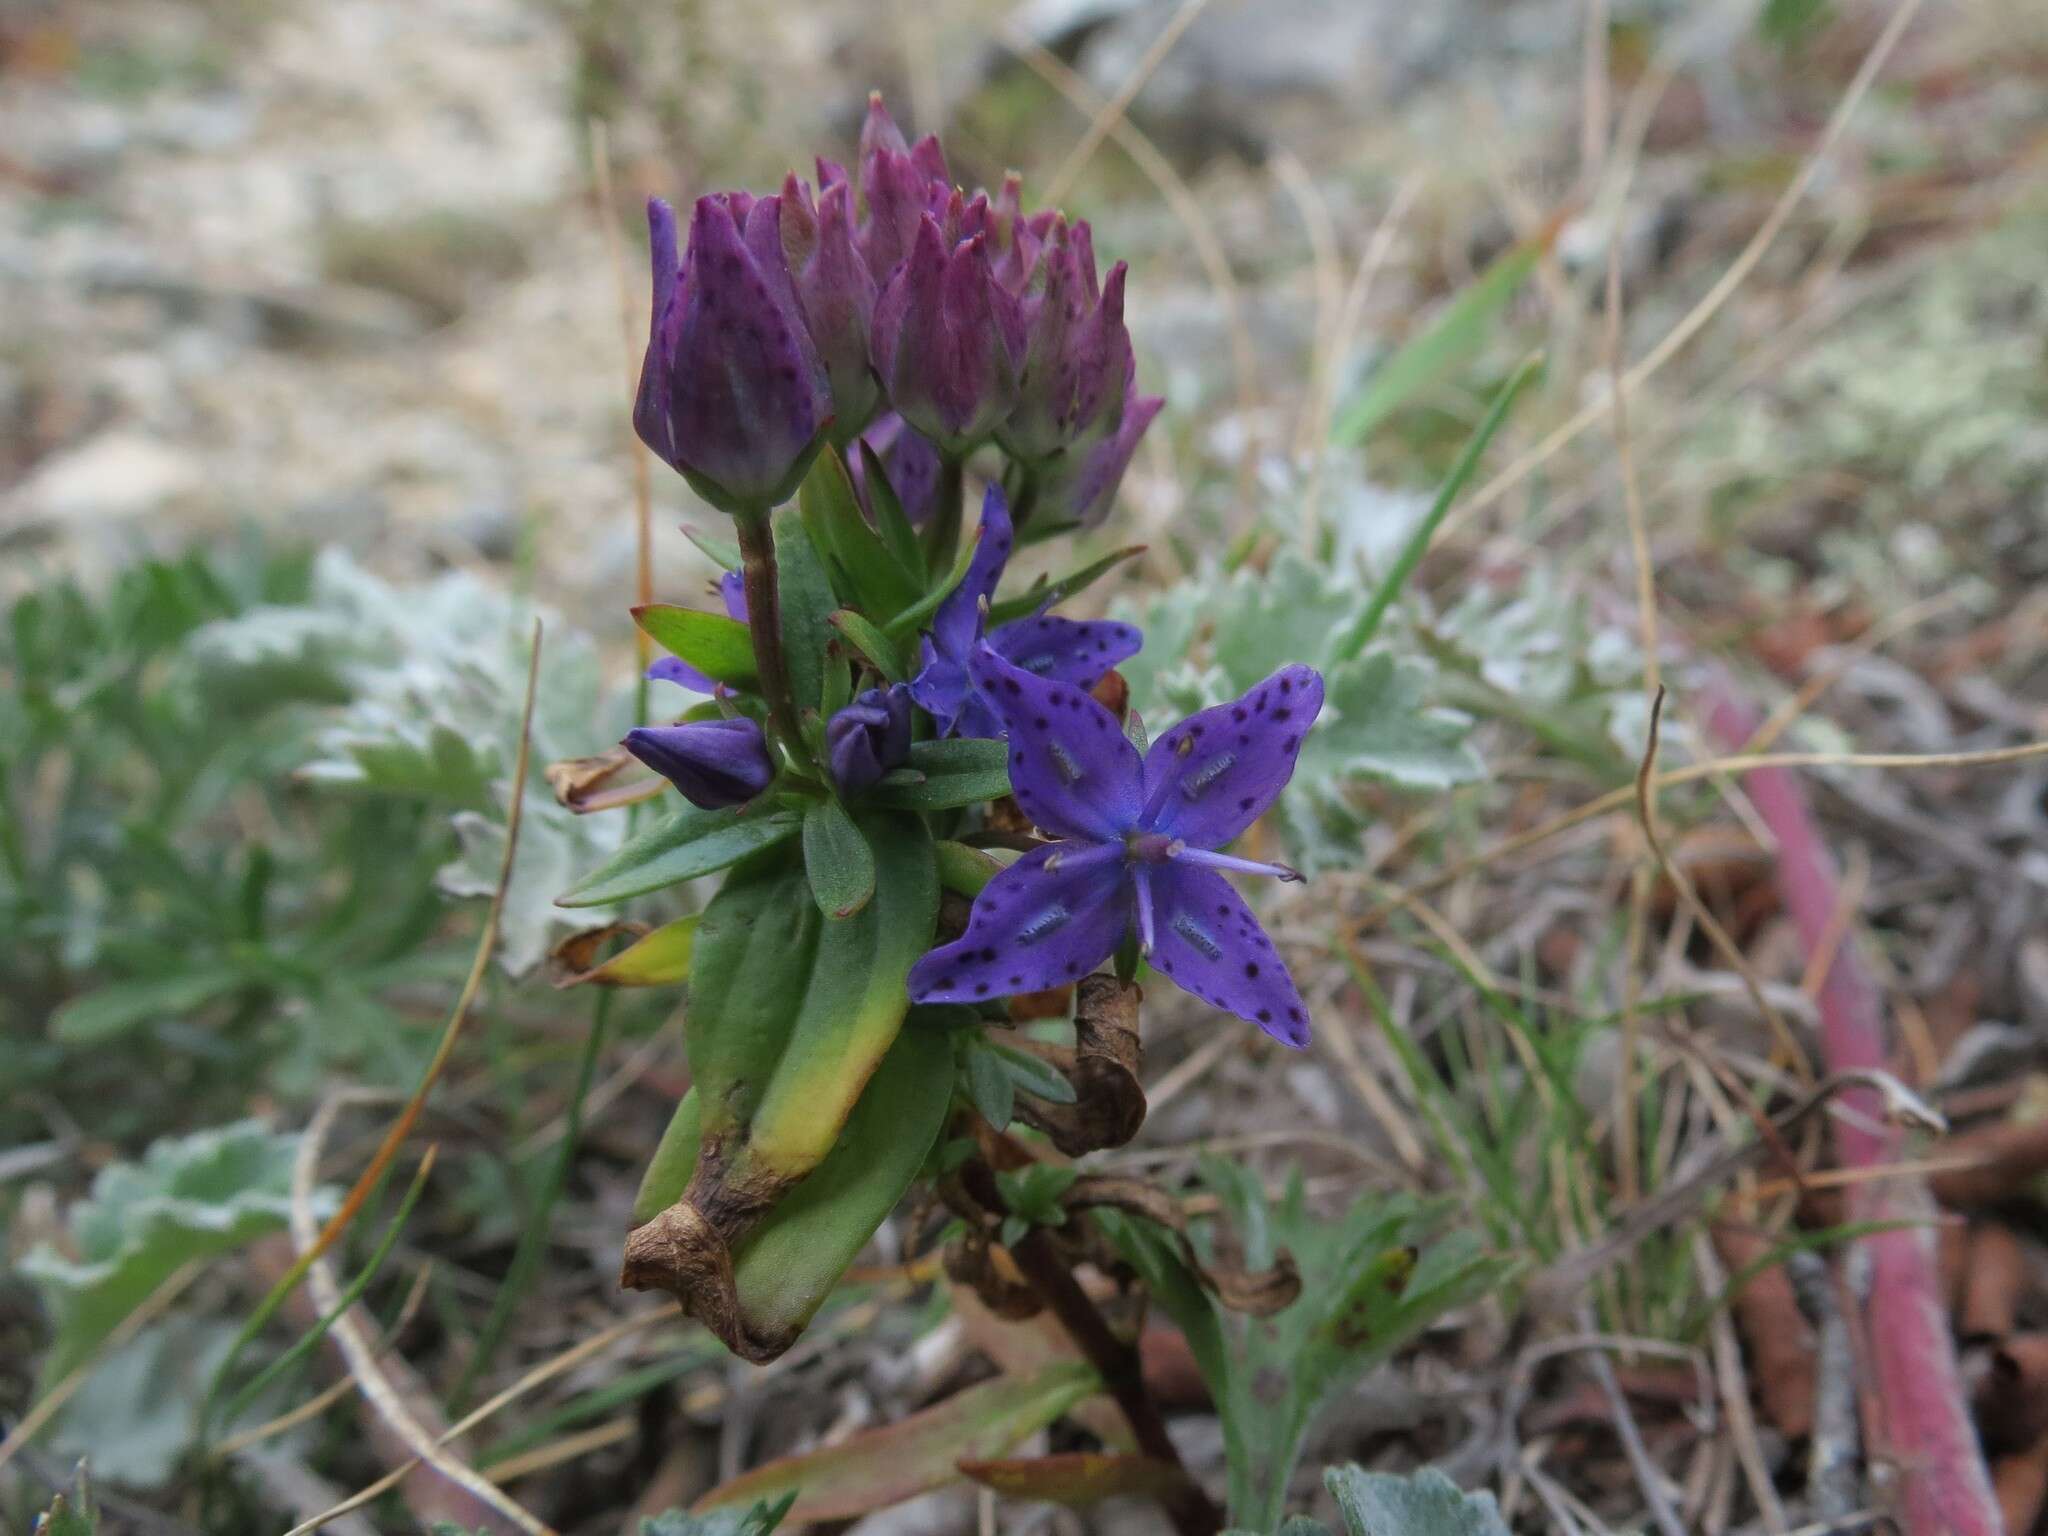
<point x="1137" y="843"/>
<point x="837" y="293"/>
<point x="715" y="763"/>
<point x="948" y="337"/>
<point x="868" y="737"/>
<point x="910" y="461"/>
<point x="732" y="394"/>
<point x="1082" y="485"/>
<point x="1063" y="650"/>
<point x="1077" y="364"/>
<point x="899" y="185"/>
<point x="732" y="590"/>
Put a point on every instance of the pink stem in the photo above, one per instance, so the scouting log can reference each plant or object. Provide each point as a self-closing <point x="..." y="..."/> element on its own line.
<point x="1919" y="1403"/>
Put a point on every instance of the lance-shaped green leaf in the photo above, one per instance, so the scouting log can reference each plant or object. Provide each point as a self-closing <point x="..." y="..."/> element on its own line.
<point x="837" y="859"/>
<point x="954" y="773"/>
<point x="690" y="843"/>
<point x="785" y="1267"/>
<point x="877" y="581"/>
<point x="926" y="606"/>
<point x="789" y="1014"/>
<point x="879" y="1467"/>
<point x="897" y="534"/>
<point x="714" y="644"/>
<point x="657" y="959"/>
<point x="804" y="591"/>
<point x="1044" y="594"/>
<point x="882" y="653"/>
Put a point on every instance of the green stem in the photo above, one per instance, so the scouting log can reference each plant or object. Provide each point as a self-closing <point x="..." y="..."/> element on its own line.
<point x="1354" y="640"/>
<point x="533" y="1236"/>
<point x="943" y="537"/>
<point x="764" y="620"/>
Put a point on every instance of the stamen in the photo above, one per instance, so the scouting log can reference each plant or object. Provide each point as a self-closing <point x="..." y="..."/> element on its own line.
<point x="1241" y="866"/>
<point x="1185" y="925"/>
<point x="1051" y="918"/>
<point x="1069" y="769"/>
<point x="1193" y="785"/>
<point x="1145" y="929"/>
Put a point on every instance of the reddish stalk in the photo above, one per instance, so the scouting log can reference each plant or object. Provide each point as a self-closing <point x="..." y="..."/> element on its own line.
<point x="1918" y="1411"/>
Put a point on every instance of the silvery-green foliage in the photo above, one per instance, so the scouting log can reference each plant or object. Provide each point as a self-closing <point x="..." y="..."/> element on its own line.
<point x="1217" y="634"/>
<point x="190" y="1197"/>
<point x="1424" y="1503"/>
<point x="434" y="675"/>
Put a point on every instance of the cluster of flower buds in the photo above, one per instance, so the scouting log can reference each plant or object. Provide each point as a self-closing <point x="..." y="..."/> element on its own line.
<point x="890" y="301"/>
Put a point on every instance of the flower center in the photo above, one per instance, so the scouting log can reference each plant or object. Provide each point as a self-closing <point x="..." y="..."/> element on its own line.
<point x="1151" y="848"/>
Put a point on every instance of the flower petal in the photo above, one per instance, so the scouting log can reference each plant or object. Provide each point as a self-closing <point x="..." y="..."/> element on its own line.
<point x="1207" y="941"/>
<point x="1070" y="767"/>
<point x="673" y="669"/>
<point x="1066" y="650"/>
<point x="1051" y="917"/>
<point x="957" y="624"/>
<point x="1216" y="772"/>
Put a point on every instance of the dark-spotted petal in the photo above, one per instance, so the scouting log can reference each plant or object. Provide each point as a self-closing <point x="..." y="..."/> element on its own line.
<point x="1207" y="941"/>
<point x="1216" y="772"/>
<point x="957" y="625"/>
<point x="1051" y="917"/>
<point x="1074" y="651"/>
<point x="1070" y="767"/>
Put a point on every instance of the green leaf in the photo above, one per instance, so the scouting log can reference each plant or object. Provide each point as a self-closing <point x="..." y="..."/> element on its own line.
<point x="657" y="959"/>
<point x="189" y="1198"/>
<point x="989" y="1088"/>
<point x="881" y="652"/>
<point x="690" y="843"/>
<point x="126" y="1006"/>
<point x="964" y="869"/>
<point x="738" y="1521"/>
<point x="716" y="645"/>
<point x="880" y="583"/>
<point x="1424" y="1503"/>
<point x="723" y="553"/>
<point x="75" y="1516"/>
<point x="876" y="1468"/>
<point x="1360" y="633"/>
<point x="1031" y="1074"/>
<point x="1376" y="725"/>
<point x="785" y="1267"/>
<point x="956" y="773"/>
<point x="897" y="534"/>
<point x="1046" y="594"/>
<point x="926" y="606"/>
<point x="1033" y="1191"/>
<point x="837" y="859"/>
<point x="805" y="592"/>
<point x="1453" y="337"/>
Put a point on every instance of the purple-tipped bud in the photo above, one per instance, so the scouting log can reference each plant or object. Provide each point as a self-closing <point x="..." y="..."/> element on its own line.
<point x="908" y="459"/>
<point x="837" y="294"/>
<point x="868" y="737"/>
<point x="1082" y="487"/>
<point x="733" y="394"/>
<point x="899" y="184"/>
<point x="949" y="340"/>
<point x="715" y="763"/>
<point x="1078" y="365"/>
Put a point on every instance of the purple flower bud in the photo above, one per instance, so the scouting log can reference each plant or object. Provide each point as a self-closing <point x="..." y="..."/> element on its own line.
<point x="837" y="294"/>
<point x="733" y="394"/>
<point x="1082" y="486"/>
<point x="869" y="737"/>
<point x="1078" y="364"/>
<point x="715" y="763"/>
<point x="910" y="461"/>
<point x="898" y="184"/>
<point x="949" y="339"/>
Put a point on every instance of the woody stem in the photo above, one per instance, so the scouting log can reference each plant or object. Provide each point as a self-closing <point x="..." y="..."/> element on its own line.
<point x="764" y="621"/>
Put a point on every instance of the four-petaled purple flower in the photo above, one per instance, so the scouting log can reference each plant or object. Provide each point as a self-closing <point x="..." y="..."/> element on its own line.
<point x="732" y="590"/>
<point x="1061" y="650"/>
<point x="715" y="763"/>
<point x="1136" y="846"/>
<point x="733" y="394"/>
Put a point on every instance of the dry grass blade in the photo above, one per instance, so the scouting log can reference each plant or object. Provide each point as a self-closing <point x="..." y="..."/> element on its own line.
<point x="1735" y="1393"/>
<point x="1111" y="114"/>
<point x="1738" y="271"/>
